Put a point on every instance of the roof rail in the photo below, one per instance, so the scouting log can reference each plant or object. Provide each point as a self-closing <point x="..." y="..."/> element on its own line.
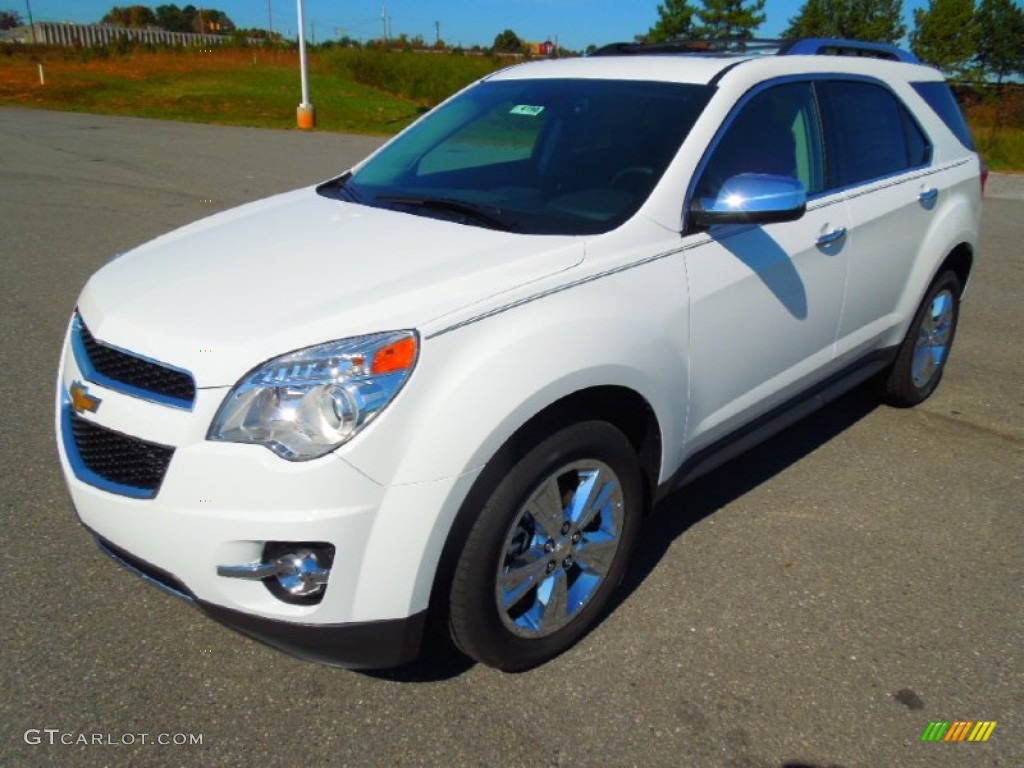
<point x="706" y="46"/>
<point x="737" y="46"/>
<point x="825" y="46"/>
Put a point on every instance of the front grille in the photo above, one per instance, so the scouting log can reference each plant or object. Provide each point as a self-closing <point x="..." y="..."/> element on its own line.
<point x="116" y="461"/>
<point x="130" y="373"/>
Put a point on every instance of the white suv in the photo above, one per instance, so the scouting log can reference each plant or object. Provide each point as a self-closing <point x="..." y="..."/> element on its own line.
<point x="451" y="381"/>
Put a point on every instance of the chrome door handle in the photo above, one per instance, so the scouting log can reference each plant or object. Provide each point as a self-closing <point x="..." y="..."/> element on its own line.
<point x="830" y="237"/>
<point x="928" y="195"/>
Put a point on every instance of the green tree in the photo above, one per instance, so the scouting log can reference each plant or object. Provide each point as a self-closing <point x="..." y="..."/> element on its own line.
<point x="730" y="18"/>
<point x="944" y="35"/>
<point x="675" y="20"/>
<point x="9" y="19"/>
<point x="130" y="16"/>
<point x="1000" y="39"/>
<point x="172" y="18"/>
<point x="879" y="21"/>
<point x="817" y="18"/>
<point x="508" y="42"/>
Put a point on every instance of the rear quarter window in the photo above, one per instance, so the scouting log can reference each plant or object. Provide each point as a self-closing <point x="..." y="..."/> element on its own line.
<point x="941" y="99"/>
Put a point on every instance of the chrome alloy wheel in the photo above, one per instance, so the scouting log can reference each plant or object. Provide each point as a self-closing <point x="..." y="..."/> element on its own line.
<point x="933" y="339"/>
<point x="559" y="548"/>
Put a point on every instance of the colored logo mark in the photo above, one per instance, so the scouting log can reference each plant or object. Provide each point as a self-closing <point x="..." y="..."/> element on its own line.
<point x="81" y="400"/>
<point x="959" y="730"/>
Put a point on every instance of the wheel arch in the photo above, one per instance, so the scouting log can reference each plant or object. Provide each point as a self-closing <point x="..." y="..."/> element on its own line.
<point x="622" y="407"/>
<point x="961" y="261"/>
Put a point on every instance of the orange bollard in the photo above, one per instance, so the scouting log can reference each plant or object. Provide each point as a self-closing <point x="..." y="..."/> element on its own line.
<point x="306" y="116"/>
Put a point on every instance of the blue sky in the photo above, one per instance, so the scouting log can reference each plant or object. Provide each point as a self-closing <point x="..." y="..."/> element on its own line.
<point x="575" y="23"/>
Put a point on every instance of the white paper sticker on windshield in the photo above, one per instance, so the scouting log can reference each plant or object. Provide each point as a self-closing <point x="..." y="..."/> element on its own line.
<point x="526" y="109"/>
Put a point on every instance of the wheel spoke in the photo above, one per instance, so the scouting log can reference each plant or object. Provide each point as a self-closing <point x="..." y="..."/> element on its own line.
<point x="552" y="597"/>
<point x="520" y="579"/>
<point x="923" y="365"/>
<point x="590" y="498"/>
<point x="596" y="553"/>
<point x="547" y="508"/>
<point x="942" y="307"/>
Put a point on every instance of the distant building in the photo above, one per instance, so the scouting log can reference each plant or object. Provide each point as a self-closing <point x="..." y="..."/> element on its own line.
<point x="88" y="35"/>
<point x="547" y="48"/>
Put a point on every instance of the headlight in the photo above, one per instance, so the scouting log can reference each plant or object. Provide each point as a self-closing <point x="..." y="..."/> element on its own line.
<point x="307" y="403"/>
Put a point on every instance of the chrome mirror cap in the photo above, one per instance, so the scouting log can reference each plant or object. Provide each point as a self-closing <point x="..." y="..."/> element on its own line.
<point x="752" y="198"/>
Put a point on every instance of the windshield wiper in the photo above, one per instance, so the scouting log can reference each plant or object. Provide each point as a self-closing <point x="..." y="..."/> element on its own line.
<point x="479" y="213"/>
<point x="339" y="189"/>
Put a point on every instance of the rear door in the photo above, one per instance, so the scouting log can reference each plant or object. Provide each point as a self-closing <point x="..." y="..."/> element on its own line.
<point x="880" y="158"/>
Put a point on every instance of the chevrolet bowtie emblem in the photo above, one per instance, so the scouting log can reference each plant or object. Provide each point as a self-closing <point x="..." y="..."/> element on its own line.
<point x="81" y="400"/>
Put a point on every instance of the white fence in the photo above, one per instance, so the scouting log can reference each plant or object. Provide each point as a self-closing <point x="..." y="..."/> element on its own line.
<point x="87" y="35"/>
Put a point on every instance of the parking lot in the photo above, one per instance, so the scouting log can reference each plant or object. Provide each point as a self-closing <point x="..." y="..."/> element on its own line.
<point x="815" y="603"/>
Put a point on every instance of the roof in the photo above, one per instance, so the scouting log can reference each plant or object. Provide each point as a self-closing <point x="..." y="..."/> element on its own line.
<point x="698" y="70"/>
<point x="709" y="61"/>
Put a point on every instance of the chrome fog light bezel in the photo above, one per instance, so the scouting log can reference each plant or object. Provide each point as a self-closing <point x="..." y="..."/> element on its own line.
<point x="294" y="572"/>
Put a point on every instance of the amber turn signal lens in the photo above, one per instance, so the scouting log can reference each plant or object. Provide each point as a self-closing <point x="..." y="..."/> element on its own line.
<point x="395" y="357"/>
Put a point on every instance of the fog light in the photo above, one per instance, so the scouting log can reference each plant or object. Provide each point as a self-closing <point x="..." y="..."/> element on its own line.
<point x="300" y="573"/>
<point x="293" y="572"/>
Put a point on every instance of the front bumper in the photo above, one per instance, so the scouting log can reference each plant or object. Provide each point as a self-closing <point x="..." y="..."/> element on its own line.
<point x="220" y="504"/>
<point x="356" y="645"/>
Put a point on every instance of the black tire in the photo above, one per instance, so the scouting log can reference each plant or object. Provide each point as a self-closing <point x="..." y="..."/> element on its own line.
<point x="925" y="350"/>
<point x="511" y="542"/>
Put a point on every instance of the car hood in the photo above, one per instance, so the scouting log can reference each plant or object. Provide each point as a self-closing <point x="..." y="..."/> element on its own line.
<point x="221" y="295"/>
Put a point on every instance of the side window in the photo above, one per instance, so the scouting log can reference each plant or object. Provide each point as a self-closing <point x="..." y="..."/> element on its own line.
<point x="870" y="134"/>
<point x="777" y="132"/>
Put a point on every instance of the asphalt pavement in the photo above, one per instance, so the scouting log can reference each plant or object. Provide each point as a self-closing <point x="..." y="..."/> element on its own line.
<point x="815" y="603"/>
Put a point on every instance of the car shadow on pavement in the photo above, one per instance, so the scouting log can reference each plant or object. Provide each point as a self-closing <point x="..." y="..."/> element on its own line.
<point x="673" y="516"/>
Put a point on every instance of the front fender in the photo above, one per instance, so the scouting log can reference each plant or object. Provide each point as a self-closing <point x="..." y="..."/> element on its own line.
<point x="474" y="386"/>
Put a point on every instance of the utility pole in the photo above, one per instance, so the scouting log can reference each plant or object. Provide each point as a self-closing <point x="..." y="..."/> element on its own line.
<point x="384" y="19"/>
<point x="437" y="33"/>
<point x="270" y="19"/>
<point x="31" y="25"/>
<point x="305" y="114"/>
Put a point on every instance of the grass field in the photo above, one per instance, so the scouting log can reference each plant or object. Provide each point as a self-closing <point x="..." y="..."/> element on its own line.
<point x="234" y="87"/>
<point x="997" y="123"/>
<point x="353" y="90"/>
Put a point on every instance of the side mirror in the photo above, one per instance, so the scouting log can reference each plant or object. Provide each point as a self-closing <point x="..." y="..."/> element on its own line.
<point x="752" y="198"/>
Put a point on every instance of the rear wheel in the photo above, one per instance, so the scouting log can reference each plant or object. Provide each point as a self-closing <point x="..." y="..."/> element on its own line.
<point x="549" y="548"/>
<point x="923" y="354"/>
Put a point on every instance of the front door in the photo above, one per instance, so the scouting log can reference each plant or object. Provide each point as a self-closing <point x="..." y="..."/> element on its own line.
<point x="765" y="301"/>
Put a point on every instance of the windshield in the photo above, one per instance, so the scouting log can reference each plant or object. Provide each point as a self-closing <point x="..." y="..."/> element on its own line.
<point x="534" y="156"/>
